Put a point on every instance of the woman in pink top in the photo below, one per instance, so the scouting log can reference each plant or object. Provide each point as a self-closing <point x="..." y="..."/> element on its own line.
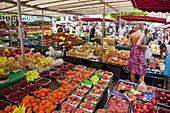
<point x="136" y="62"/>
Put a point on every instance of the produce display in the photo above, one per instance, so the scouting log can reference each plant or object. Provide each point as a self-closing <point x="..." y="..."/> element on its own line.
<point x="117" y="104"/>
<point x="78" y="92"/>
<point x="142" y="108"/>
<point x="154" y="49"/>
<point x="30" y="101"/>
<point x="43" y="81"/>
<point x="64" y="40"/>
<point x="44" y="106"/>
<point x="16" y="97"/>
<point x="3" y="104"/>
<point x="8" y="109"/>
<point x="122" y="87"/>
<point x="8" y="91"/>
<point x="88" y="106"/>
<point x="43" y="93"/>
<point x="57" y="96"/>
<point x="22" y="84"/>
<point x="31" y="88"/>
<point x="75" y="101"/>
<point x="66" y="108"/>
<point x="120" y="58"/>
<point x="92" y="98"/>
<point x="162" y="97"/>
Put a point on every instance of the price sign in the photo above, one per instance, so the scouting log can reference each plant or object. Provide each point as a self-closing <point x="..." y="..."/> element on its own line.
<point x="19" y="109"/>
<point x="107" y="52"/>
<point x="3" y="59"/>
<point x="62" y="38"/>
<point x="31" y="75"/>
<point x="134" y="92"/>
<point x="69" y="42"/>
<point x="95" y="79"/>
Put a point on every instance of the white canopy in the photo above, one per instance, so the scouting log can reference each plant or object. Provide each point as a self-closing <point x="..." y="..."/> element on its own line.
<point x="66" y="7"/>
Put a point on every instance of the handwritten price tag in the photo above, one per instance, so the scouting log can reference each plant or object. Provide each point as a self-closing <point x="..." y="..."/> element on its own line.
<point x="19" y="109"/>
<point x="62" y="38"/>
<point x="31" y="75"/>
<point x="3" y="59"/>
<point x="94" y="79"/>
<point x="107" y="52"/>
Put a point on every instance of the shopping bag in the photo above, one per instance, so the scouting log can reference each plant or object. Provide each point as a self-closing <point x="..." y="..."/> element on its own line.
<point x="148" y="55"/>
<point x="142" y="87"/>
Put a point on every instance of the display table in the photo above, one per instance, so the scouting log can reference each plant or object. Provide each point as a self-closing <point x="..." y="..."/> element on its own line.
<point x="116" y="69"/>
<point x="13" y="78"/>
<point x="123" y="48"/>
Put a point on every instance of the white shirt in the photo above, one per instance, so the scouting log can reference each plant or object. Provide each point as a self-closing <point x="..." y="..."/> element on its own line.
<point x="122" y="31"/>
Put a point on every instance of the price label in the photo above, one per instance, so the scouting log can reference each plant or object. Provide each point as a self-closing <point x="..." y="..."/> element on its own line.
<point x="69" y="42"/>
<point x="134" y="92"/>
<point x="6" y="50"/>
<point x="95" y="79"/>
<point x="2" y="71"/>
<point x="62" y="38"/>
<point x="19" y="109"/>
<point x="3" y="59"/>
<point x="107" y="52"/>
<point x="31" y="75"/>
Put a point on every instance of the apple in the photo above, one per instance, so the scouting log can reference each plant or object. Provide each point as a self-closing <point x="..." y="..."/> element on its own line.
<point x="154" y="101"/>
<point x="163" y="94"/>
<point x="134" y="103"/>
<point x="144" y="99"/>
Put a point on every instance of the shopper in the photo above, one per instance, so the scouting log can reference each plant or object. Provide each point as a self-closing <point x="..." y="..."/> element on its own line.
<point x="131" y="31"/>
<point x="136" y="62"/>
<point x="122" y="31"/>
<point x="60" y="29"/>
<point x="164" y="50"/>
<point x="167" y="70"/>
<point x="148" y="38"/>
<point x="92" y="32"/>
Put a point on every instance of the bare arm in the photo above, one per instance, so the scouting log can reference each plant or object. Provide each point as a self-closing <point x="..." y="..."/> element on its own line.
<point x="129" y="42"/>
<point x="139" y="42"/>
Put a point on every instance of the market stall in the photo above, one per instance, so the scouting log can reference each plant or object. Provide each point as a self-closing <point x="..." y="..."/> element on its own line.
<point x="143" y="18"/>
<point x="55" y="86"/>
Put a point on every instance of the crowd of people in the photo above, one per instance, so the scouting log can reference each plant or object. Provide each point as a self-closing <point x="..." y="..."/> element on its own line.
<point x="139" y="39"/>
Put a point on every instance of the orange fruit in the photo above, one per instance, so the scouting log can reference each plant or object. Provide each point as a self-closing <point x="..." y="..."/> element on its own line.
<point x="41" y="111"/>
<point x="50" y="98"/>
<point x="14" y="106"/>
<point x="42" y="107"/>
<point x="48" y="110"/>
<point x="43" y="102"/>
<point x="37" y="100"/>
<point x="42" y="94"/>
<point x="25" y="101"/>
<point x="36" y="108"/>
<point x="8" y="109"/>
<point x="28" y="105"/>
<point x="54" y="95"/>
<point x="29" y="111"/>
<point x="55" y="91"/>
<point x="52" y="107"/>
<point x="34" y="104"/>
<point x="48" y="104"/>
<point x="32" y="100"/>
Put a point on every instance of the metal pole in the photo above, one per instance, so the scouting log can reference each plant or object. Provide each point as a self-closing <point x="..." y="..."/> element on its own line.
<point x="21" y="34"/>
<point x="43" y="22"/>
<point x="9" y="22"/>
<point x="103" y="31"/>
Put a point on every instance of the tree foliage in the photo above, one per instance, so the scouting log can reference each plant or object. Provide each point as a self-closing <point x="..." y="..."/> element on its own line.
<point x="136" y="12"/>
<point x="58" y="19"/>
